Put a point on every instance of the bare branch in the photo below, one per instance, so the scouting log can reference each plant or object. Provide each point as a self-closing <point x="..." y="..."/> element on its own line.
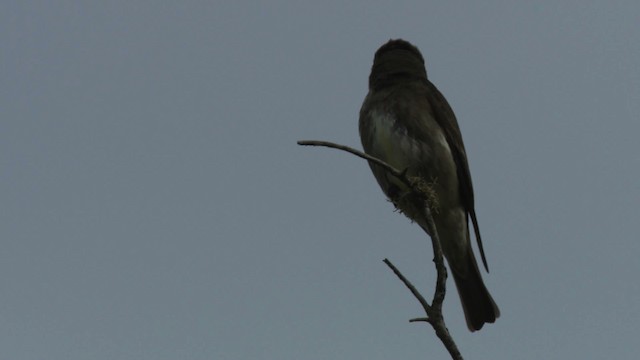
<point x="433" y="311"/>
<point x="358" y="153"/>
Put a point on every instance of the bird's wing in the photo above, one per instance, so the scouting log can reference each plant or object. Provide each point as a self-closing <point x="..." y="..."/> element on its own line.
<point x="447" y="120"/>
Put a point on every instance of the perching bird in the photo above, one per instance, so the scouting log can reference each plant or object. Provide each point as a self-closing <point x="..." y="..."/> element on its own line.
<point x="406" y="122"/>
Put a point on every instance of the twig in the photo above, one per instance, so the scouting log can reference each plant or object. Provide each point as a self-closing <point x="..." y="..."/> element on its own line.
<point x="358" y="153"/>
<point x="433" y="311"/>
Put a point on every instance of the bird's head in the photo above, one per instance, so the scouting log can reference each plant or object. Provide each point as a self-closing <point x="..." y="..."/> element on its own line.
<point x="396" y="61"/>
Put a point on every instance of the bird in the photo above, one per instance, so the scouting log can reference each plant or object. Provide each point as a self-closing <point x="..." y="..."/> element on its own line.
<point x="406" y="122"/>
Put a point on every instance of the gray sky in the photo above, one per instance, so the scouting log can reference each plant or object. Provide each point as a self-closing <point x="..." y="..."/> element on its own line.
<point x="155" y="205"/>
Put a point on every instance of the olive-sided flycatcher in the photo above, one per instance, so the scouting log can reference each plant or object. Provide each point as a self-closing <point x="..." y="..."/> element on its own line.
<point x="406" y="122"/>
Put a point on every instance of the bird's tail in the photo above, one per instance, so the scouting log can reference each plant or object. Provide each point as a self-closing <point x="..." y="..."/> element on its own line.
<point x="478" y="305"/>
